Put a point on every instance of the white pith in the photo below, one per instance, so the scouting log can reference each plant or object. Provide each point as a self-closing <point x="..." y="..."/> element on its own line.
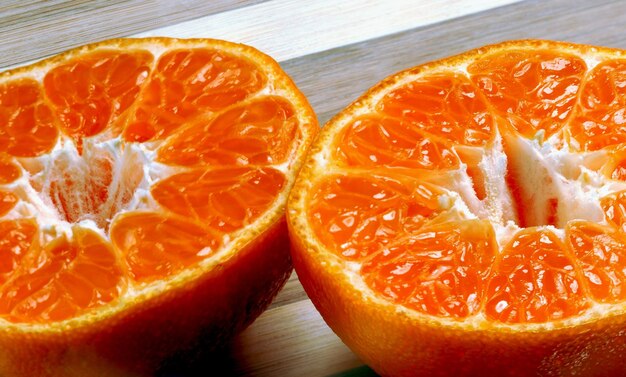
<point x="38" y="205"/>
<point x="575" y="184"/>
<point x="39" y="172"/>
<point x="546" y="172"/>
<point x="577" y="188"/>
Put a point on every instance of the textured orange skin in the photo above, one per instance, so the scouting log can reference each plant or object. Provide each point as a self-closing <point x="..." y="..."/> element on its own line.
<point x="200" y="315"/>
<point x="397" y="344"/>
<point x="205" y="313"/>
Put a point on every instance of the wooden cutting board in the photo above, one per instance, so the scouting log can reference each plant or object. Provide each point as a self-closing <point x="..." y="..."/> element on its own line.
<point x="334" y="50"/>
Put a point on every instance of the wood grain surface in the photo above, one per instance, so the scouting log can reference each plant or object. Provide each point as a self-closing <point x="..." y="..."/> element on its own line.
<point x="332" y="79"/>
<point x="291" y="339"/>
<point x="35" y="29"/>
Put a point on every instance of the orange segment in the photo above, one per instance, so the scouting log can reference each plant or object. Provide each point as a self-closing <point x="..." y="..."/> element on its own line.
<point x="534" y="281"/>
<point x="225" y="199"/>
<point x="617" y="167"/>
<point x="440" y="270"/>
<point x="258" y="132"/>
<point x="156" y="246"/>
<point x="8" y="200"/>
<point x="614" y="207"/>
<point x="187" y="83"/>
<point x="538" y="134"/>
<point x="373" y="141"/>
<point x="91" y="91"/>
<point x="9" y="171"/>
<point x="448" y="106"/>
<point x="67" y="277"/>
<point x="357" y="215"/>
<point x="535" y="90"/>
<point x="27" y="126"/>
<point x="143" y="186"/>
<point x="601" y="119"/>
<point x="619" y="171"/>
<point x="601" y="255"/>
<point x="16" y="238"/>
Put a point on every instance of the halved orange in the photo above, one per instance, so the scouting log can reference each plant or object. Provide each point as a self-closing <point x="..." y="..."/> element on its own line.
<point x="142" y="193"/>
<point x="466" y="217"/>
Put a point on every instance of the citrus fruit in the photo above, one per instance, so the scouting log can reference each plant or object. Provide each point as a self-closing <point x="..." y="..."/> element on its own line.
<point x="142" y="193"/>
<point x="467" y="217"/>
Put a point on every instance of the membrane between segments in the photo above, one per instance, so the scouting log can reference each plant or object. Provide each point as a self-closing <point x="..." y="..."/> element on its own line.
<point x="445" y="265"/>
<point x="197" y="109"/>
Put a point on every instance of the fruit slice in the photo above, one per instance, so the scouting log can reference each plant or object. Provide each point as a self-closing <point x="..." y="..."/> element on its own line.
<point x="142" y="190"/>
<point x="466" y="217"/>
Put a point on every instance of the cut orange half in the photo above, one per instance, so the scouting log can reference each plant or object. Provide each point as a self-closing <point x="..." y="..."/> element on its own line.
<point x="467" y="217"/>
<point x="142" y="193"/>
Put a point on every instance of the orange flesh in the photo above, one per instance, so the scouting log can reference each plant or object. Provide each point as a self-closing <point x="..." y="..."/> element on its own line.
<point x="27" y="124"/>
<point x="439" y="270"/>
<point x="619" y="172"/>
<point x="9" y="171"/>
<point x="535" y="91"/>
<point x="600" y="252"/>
<point x="67" y="277"/>
<point x="15" y="240"/>
<point x="8" y="200"/>
<point x="534" y="280"/>
<point x="601" y="118"/>
<point x="200" y="106"/>
<point x="225" y="199"/>
<point x="188" y="83"/>
<point x="90" y="91"/>
<point x="370" y="141"/>
<point x="156" y="246"/>
<point x="456" y="269"/>
<point x="446" y="106"/>
<point x="614" y="207"/>
<point x="356" y="215"/>
<point x="259" y="132"/>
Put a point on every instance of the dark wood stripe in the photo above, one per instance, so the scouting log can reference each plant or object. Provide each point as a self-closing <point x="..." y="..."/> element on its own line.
<point x="34" y="29"/>
<point x="291" y="292"/>
<point x="333" y="79"/>
<point x="362" y="371"/>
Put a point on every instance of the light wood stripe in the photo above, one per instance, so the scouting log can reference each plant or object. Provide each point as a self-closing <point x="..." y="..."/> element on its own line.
<point x="291" y="292"/>
<point x="262" y="351"/>
<point x="284" y="29"/>
<point x="265" y="349"/>
<point x="31" y="30"/>
<point x="333" y="79"/>
<point x="334" y="51"/>
<point x="287" y="29"/>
